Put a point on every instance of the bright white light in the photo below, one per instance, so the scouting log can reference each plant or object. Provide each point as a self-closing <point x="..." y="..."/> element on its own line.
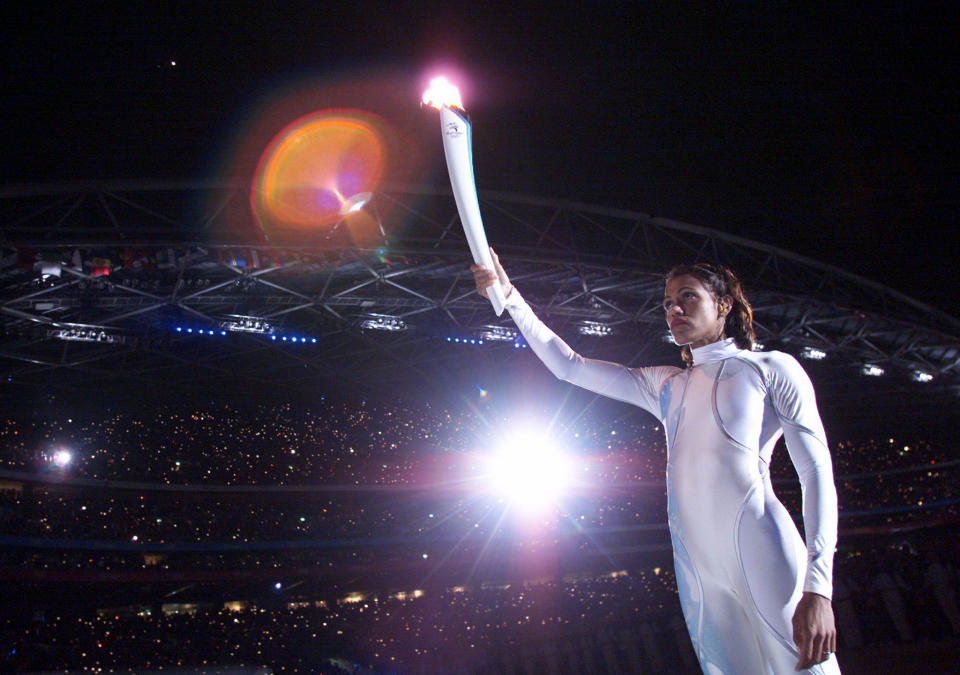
<point x="813" y="354"/>
<point x="921" y="376"/>
<point x="237" y="323"/>
<point x="594" y="329"/>
<point x="872" y="370"/>
<point x="530" y="470"/>
<point x="498" y="333"/>
<point x="384" y="322"/>
<point x="62" y="458"/>
<point x="78" y="332"/>
<point x="355" y="203"/>
<point x="442" y="93"/>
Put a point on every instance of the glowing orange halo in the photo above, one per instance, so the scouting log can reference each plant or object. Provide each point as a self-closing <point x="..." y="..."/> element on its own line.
<point x="318" y="170"/>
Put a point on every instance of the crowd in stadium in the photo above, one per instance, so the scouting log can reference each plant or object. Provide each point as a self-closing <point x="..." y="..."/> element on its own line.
<point x="294" y="492"/>
<point x="622" y="622"/>
<point x="377" y="444"/>
<point x="619" y="473"/>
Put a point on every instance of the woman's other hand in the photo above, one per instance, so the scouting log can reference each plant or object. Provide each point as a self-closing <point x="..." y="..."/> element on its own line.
<point x="814" y="630"/>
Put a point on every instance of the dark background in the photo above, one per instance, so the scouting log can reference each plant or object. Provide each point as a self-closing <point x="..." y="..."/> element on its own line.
<point x="826" y="130"/>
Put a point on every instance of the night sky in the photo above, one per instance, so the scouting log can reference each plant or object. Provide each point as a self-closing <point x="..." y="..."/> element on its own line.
<point x="828" y="131"/>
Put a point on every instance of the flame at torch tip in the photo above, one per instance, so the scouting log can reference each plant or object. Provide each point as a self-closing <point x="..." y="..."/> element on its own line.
<point x="442" y="93"/>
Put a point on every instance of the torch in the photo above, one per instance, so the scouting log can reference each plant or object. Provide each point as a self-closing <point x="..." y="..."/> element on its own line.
<point x="455" y="128"/>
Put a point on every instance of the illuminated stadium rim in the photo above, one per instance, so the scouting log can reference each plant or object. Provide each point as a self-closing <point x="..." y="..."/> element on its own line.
<point x="115" y="187"/>
<point x="815" y="304"/>
<point x="310" y="339"/>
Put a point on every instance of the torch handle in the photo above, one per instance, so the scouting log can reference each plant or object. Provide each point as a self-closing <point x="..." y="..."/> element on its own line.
<point x="455" y="129"/>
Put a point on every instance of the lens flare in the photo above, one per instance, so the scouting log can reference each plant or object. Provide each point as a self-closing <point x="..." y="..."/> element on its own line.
<point x="318" y="171"/>
<point x="530" y="470"/>
<point x="62" y="458"/>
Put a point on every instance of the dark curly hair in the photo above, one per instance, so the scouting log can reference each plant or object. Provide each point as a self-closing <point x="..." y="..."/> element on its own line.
<point x="721" y="281"/>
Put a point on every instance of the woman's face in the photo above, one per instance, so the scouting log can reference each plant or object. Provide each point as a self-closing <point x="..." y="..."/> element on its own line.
<point x="695" y="317"/>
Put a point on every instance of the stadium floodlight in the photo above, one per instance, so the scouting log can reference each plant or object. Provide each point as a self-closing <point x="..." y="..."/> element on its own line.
<point x="79" y="332"/>
<point x="922" y="376"/>
<point x="384" y="322"/>
<point x="238" y="323"/>
<point x="872" y="370"/>
<point x="62" y="458"/>
<point x="759" y="346"/>
<point x="497" y="333"/>
<point x="529" y="469"/>
<point x="594" y="328"/>
<point x="813" y="354"/>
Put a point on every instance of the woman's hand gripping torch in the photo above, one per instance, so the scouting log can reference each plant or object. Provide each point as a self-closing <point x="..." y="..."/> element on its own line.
<point x="455" y="129"/>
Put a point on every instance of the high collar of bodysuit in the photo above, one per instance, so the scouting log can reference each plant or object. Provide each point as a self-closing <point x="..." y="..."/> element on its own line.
<point x="715" y="351"/>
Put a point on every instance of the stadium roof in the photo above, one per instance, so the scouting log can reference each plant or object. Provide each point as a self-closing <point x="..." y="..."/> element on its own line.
<point x="137" y="260"/>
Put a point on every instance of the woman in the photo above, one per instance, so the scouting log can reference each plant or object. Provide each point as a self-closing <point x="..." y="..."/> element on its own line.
<point x="754" y="598"/>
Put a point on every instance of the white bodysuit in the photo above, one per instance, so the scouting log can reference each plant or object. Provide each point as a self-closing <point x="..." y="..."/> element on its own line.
<point x="740" y="562"/>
